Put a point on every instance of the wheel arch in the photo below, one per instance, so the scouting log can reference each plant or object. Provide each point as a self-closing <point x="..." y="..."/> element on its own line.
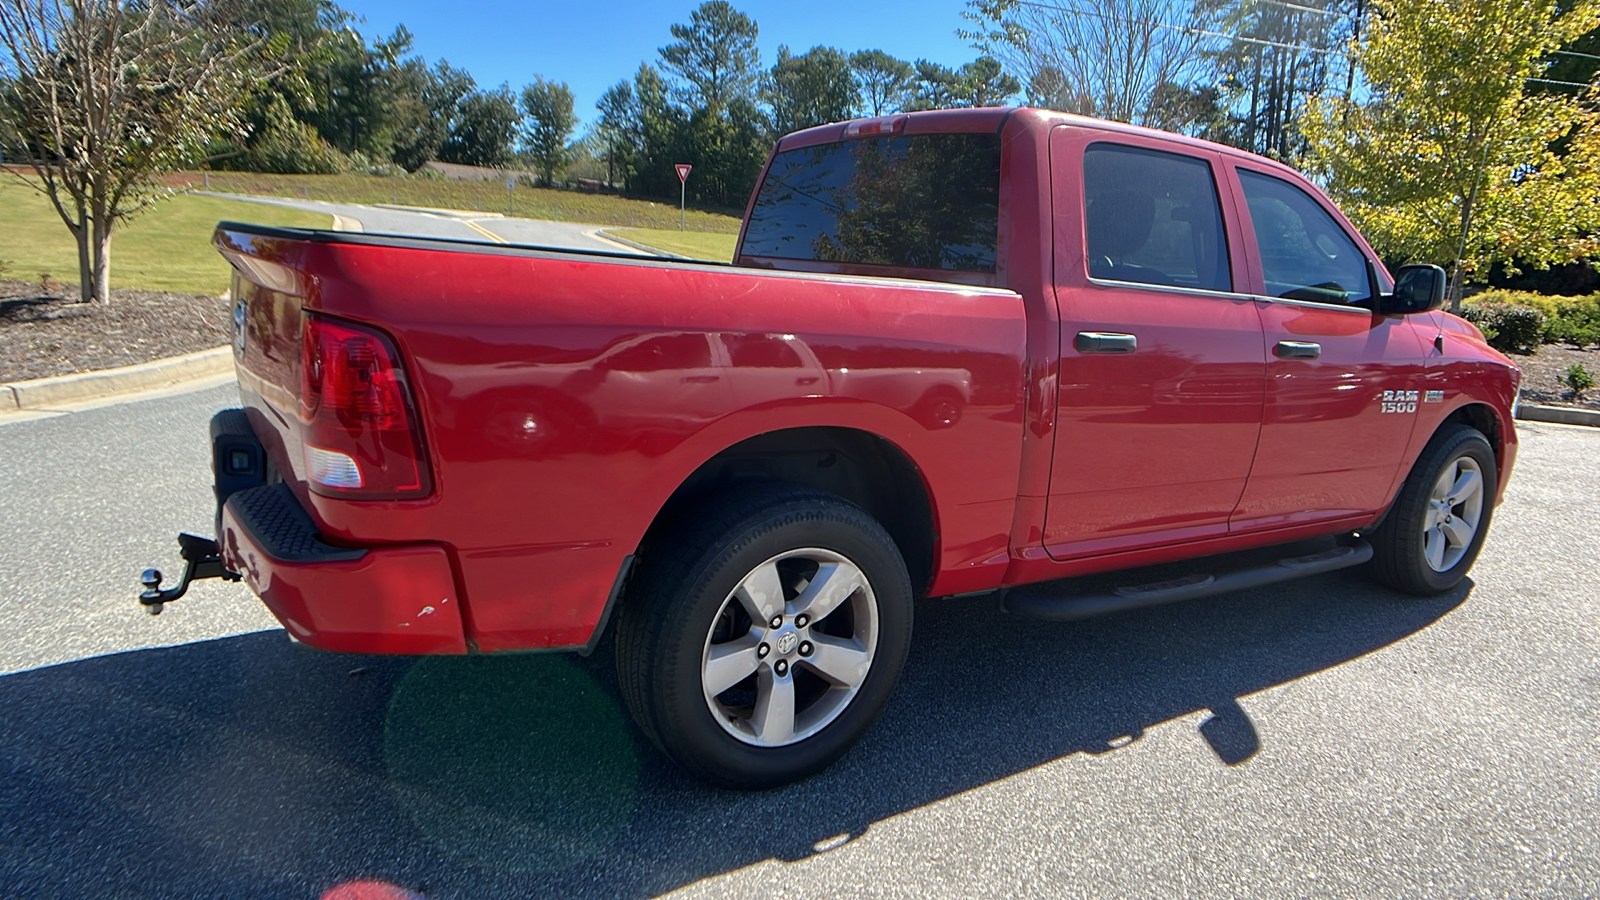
<point x="863" y="468"/>
<point x="1482" y="417"/>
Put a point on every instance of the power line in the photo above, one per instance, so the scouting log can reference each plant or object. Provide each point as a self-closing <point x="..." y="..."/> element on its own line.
<point x="1186" y="29"/>
<point x="1296" y="6"/>
<point x="1576" y="84"/>
<point x="1195" y="30"/>
<point x="1262" y="42"/>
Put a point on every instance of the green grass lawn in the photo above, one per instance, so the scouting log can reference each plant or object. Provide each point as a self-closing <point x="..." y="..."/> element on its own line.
<point x="167" y="248"/>
<point x="488" y="196"/>
<point x="693" y="244"/>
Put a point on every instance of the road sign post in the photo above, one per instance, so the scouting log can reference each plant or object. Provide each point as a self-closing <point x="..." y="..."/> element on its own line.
<point x="511" y="188"/>
<point x="683" y="189"/>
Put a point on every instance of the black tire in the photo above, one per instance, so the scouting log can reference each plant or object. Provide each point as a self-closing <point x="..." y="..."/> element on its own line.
<point x="682" y="598"/>
<point x="1401" y="544"/>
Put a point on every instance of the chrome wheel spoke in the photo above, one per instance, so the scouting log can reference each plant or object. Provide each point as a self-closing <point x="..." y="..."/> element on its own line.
<point x="761" y="593"/>
<point x="1465" y="487"/>
<point x="1459" y="532"/>
<point x="833" y="584"/>
<point x="840" y="660"/>
<point x="730" y="663"/>
<point x="1441" y="488"/>
<point x="1434" y="548"/>
<point x="773" y="717"/>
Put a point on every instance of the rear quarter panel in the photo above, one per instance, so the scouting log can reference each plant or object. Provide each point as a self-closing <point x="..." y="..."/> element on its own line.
<point x="565" y="398"/>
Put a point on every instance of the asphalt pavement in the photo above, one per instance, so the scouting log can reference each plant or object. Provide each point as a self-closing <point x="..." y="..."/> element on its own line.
<point x="1321" y="738"/>
<point x="455" y="224"/>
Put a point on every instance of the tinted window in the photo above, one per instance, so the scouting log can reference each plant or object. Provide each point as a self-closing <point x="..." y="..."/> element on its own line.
<point x="1305" y="255"/>
<point x="1153" y="218"/>
<point x="925" y="202"/>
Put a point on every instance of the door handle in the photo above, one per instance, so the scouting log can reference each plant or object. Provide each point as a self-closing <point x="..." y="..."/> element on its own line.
<point x="1104" y="342"/>
<point x="701" y="379"/>
<point x="1297" y="350"/>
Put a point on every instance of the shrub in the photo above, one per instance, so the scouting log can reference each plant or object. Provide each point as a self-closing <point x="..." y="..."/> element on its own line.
<point x="1568" y="320"/>
<point x="1508" y="327"/>
<point x="1576" y="321"/>
<point x="1578" y="378"/>
<point x="1542" y="302"/>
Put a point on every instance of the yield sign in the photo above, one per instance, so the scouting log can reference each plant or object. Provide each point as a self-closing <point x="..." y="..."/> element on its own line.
<point x="683" y="171"/>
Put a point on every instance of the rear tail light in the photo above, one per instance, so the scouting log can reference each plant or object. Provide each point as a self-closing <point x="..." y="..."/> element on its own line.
<point x="363" y="439"/>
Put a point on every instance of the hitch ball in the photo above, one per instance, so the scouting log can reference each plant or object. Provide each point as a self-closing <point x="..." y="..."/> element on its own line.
<point x="151" y="598"/>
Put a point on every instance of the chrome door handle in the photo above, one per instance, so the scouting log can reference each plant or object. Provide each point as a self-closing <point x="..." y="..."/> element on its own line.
<point x="1104" y="342"/>
<point x="1297" y="350"/>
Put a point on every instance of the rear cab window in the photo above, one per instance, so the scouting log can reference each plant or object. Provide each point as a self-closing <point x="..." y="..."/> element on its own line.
<point x="928" y="202"/>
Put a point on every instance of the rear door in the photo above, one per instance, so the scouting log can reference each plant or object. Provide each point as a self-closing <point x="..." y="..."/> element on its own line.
<point x="1343" y="383"/>
<point x="1162" y="369"/>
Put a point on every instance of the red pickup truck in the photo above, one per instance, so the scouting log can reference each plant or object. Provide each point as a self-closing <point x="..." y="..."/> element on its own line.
<point x="958" y="352"/>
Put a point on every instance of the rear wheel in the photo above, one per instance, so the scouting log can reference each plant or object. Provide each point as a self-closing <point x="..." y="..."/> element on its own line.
<point x="767" y="637"/>
<point x="1441" y="516"/>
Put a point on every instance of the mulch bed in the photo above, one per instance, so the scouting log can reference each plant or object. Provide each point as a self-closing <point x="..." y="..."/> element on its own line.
<point x="1542" y="371"/>
<point x="44" y="331"/>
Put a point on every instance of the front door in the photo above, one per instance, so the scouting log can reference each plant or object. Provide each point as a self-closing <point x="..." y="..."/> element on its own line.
<point x="1161" y="376"/>
<point x="1343" y="384"/>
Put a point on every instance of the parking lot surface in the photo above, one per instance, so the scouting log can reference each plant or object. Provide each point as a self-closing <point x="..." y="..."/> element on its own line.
<point x="1321" y="738"/>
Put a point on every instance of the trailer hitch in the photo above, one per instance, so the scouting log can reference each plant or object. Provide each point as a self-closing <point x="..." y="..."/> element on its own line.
<point x="202" y="559"/>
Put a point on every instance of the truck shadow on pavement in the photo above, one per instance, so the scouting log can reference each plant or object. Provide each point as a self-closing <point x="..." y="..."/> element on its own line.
<point x="244" y="767"/>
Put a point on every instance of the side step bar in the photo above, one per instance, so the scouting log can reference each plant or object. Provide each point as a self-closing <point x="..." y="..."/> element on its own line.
<point x="1030" y="602"/>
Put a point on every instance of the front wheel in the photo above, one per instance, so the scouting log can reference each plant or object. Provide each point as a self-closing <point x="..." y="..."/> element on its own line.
<point x="766" y="638"/>
<point x="1441" y="516"/>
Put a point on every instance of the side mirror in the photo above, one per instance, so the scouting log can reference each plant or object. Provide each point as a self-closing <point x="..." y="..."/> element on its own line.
<point x="1417" y="289"/>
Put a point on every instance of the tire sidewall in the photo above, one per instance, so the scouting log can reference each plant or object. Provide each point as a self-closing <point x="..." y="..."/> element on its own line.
<point x="687" y="721"/>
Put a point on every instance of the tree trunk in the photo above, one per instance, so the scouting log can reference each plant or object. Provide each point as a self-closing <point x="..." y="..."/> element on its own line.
<point x="80" y="233"/>
<point x="1456" y="278"/>
<point x="102" y="260"/>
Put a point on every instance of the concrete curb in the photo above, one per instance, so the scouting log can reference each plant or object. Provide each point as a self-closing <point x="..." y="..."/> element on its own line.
<point x="43" y="393"/>
<point x="1561" y="415"/>
<point x="653" y="251"/>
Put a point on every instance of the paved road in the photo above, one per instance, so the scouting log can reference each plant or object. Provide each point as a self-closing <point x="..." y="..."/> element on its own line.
<point x="463" y="226"/>
<point x="1323" y="738"/>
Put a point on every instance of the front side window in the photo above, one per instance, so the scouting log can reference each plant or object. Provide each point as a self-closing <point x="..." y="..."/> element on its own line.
<point x="1153" y="218"/>
<point x="927" y="201"/>
<point x="1305" y="255"/>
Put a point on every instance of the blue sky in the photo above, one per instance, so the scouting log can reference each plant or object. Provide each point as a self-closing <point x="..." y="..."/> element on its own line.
<point x="591" y="45"/>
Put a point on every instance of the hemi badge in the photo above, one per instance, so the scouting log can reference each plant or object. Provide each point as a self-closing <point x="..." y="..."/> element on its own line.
<point x="1433" y="397"/>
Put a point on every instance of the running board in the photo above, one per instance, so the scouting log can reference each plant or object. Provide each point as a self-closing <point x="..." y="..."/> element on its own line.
<point x="1028" y="601"/>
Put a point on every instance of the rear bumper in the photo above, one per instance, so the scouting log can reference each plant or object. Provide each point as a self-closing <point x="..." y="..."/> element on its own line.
<point x="396" y="599"/>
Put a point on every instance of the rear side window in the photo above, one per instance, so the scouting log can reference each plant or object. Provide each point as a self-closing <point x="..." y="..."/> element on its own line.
<point x="921" y="201"/>
<point x="1153" y="218"/>
<point x="1305" y="255"/>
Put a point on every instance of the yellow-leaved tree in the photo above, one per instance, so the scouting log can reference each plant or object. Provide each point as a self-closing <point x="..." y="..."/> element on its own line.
<point x="1457" y="156"/>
